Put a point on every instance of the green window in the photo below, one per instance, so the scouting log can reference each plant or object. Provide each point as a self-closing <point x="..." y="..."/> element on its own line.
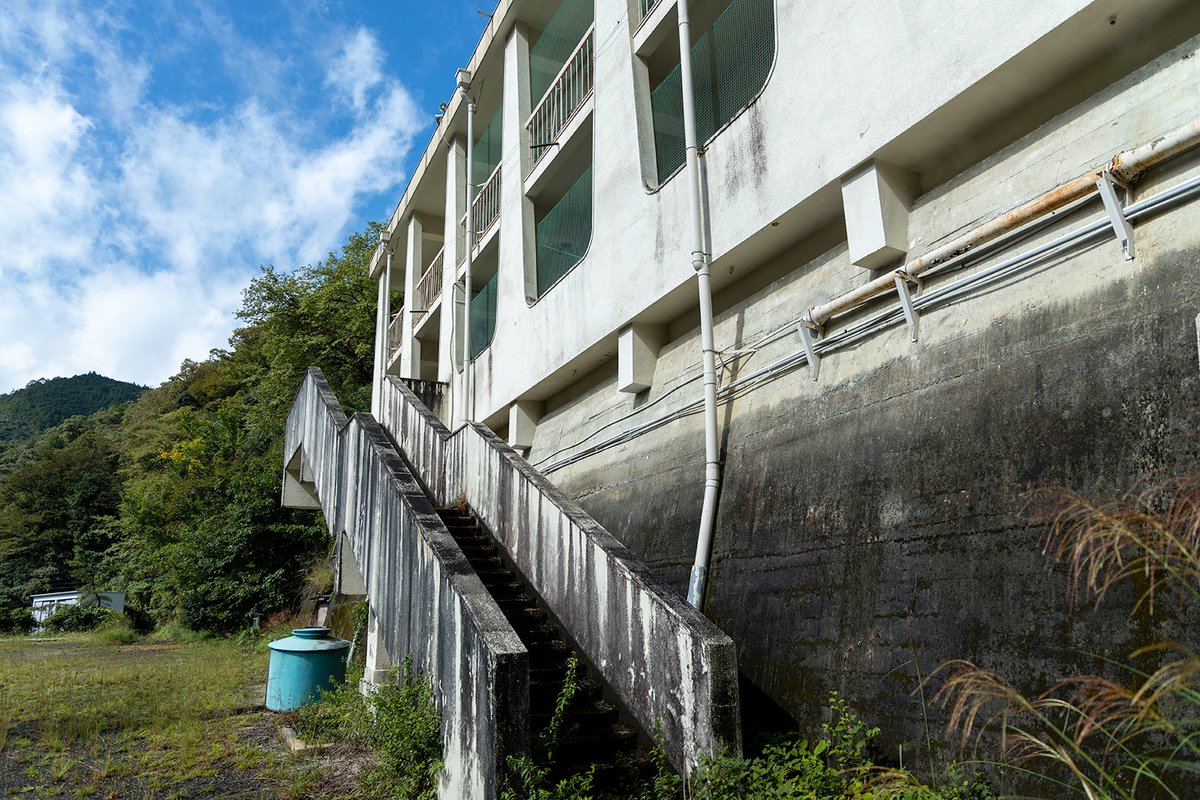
<point x="564" y="234"/>
<point x="730" y="64"/>
<point x="487" y="149"/>
<point x="483" y="318"/>
<point x="557" y="42"/>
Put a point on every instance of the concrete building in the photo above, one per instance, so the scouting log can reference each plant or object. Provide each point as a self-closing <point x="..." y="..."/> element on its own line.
<point x="951" y="250"/>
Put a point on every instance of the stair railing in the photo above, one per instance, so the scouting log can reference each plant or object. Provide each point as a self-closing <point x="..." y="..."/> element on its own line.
<point x="429" y="602"/>
<point x="670" y="666"/>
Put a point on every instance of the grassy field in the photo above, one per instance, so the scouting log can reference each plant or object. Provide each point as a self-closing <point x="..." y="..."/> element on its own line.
<point x="152" y="719"/>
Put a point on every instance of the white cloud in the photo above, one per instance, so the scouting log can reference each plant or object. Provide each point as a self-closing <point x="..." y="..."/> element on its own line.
<point x="124" y="314"/>
<point x="356" y="69"/>
<point x="45" y="190"/>
<point x="130" y="224"/>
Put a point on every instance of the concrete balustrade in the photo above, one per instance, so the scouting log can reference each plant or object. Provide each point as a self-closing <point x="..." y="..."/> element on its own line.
<point x="670" y="666"/>
<point x="428" y="602"/>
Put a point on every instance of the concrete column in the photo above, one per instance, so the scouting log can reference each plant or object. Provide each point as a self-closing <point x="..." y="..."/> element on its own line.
<point x="450" y="339"/>
<point x="387" y="304"/>
<point x="410" y="348"/>
<point x="380" y="347"/>
<point x="377" y="660"/>
<point x="876" y="198"/>
<point x="518" y="247"/>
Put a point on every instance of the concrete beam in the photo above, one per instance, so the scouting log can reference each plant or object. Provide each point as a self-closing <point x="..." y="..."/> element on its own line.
<point x="876" y="198"/>
<point x="637" y="356"/>
<point x="299" y="491"/>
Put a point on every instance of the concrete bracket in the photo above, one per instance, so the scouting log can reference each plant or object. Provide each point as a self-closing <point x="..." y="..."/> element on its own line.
<point x="808" y="339"/>
<point x="1107" y="186"/>
<point x="638" y="346"/>
<point x="906" y="301"/>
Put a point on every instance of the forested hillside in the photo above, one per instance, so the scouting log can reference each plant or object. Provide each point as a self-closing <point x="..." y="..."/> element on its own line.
<point x="47" y="402"/>
<point x="174" y="498"/>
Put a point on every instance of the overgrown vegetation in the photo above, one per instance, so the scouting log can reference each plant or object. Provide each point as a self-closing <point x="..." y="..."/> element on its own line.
<point x="174" y="498"/>
<point x="1137" y="736"/>
<point x="834" y="767"/>
<point x="399" y="723"/>
<point x="84" y="718"/>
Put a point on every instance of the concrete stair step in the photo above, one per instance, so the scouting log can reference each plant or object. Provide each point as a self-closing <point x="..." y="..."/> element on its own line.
<point x="590" y="732"/>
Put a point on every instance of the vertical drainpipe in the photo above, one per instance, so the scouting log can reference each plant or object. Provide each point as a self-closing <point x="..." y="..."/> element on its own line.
<point x="380" y="345"/>
<point x="712" y="466"/>
<point x="464" y="83"/>
<point x="387" y="314"/>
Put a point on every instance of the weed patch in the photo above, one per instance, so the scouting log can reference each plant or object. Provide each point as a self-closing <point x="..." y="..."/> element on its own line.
<point x="82" y="717"/>
<point x="399" y="724"/>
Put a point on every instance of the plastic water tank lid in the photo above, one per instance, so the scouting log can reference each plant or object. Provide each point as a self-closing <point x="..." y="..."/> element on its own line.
<point x="312" y="632"/>
<point x="307" y="640"/>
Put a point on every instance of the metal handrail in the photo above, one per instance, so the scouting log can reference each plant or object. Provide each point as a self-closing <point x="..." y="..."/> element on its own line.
<point x="487" y="205"/>
<point x="430" y="285"/>
<point x="570" y="88"/>
<point x="394" y="337"/>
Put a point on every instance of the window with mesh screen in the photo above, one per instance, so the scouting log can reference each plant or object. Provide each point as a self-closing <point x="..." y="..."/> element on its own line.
<point x="564" y="234"/>
<point x="730" y="64"/>
<point x="557" y="42"/>
<point x="487" y="149"/>
<point x="483" y="317"/>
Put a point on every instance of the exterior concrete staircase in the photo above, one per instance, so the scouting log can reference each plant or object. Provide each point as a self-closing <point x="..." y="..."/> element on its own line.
<point x="590" y="731"/>
<point x="445" y="591"/>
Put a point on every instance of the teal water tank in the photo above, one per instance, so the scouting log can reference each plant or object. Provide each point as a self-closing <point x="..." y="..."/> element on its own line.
<point x="308" y="660"/>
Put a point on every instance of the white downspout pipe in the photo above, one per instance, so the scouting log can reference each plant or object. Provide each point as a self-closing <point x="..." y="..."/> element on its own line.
<point x="387" y="313"/>
<point x="380" y="345"/>
<point x="468" y="404"/>
<point x="712" y="466"/>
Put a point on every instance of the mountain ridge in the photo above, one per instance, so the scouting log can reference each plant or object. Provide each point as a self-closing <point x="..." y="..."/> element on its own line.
<point x="46" y="402"/>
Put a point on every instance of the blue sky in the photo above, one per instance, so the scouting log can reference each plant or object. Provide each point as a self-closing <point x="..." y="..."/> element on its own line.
<point x="154" y="154"/>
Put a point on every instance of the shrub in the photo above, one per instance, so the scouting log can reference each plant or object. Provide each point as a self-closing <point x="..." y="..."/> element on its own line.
<point x="79" y="618"/>
<point x="16" y="620"/>
<point x="399" y="722"/>
<point x="115" y="630"/>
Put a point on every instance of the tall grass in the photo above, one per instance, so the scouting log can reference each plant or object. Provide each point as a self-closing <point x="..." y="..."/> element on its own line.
<point x="1134" y="739"/>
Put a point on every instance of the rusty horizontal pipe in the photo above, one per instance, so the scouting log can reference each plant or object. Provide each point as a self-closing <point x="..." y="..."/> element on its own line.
<point x="1126" y="166"/>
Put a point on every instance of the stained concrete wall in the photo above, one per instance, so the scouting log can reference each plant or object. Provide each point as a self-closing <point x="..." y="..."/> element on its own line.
<point x="430" y="603"/>
<point x="873" y="514"/>
<point x="668" y="664"/>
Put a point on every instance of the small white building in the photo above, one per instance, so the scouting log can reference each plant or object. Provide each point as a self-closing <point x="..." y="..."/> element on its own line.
<point x="46" y="604"/>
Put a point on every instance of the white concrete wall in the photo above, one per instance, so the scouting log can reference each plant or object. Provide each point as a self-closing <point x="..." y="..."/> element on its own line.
<point x="924" y="84"/>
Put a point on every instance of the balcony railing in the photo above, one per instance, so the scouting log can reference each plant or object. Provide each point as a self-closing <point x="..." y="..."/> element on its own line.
<point x="566" y="94"/>
<point x="395" y="331"/>
<point x="430" y="285"/>
<point x="646" y="7"/>
<point x="487" y="205"/>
